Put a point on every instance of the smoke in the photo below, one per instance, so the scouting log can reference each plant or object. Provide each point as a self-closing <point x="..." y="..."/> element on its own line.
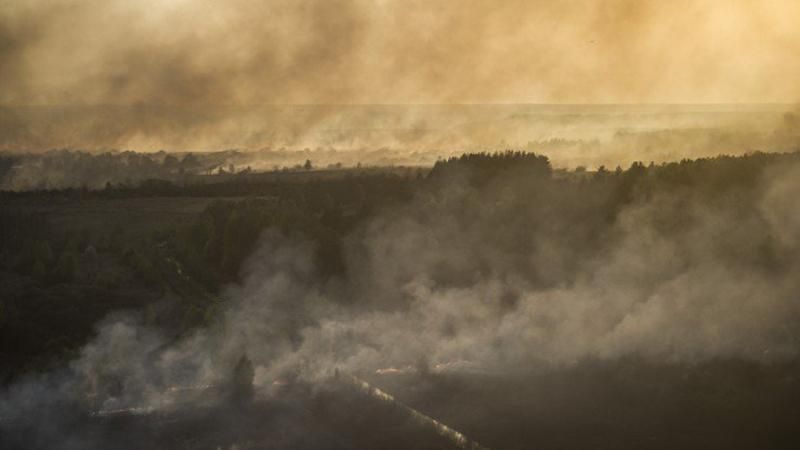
<point x="507" y="278"/>
<point x="196" y="74"/>
<point x="269" y="137"/>
<point x="521" y="274"/>
<point x="246" y="52"/>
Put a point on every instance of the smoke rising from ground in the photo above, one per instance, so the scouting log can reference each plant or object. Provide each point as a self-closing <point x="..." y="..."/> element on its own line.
<point x="516" y="276"/>
<point x="511" y="277"/>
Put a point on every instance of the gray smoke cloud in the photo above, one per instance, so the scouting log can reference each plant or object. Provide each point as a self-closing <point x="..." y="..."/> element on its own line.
<point x="498" y="280"/>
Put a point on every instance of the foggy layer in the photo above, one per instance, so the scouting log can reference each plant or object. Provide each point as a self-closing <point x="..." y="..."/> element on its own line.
<point x="196" y="75"/>
<point x="199" y="52"/>
<point x="284" y="136"/>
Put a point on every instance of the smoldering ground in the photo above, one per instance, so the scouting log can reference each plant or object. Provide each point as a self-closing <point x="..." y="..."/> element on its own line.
<point x="491" y="278"/>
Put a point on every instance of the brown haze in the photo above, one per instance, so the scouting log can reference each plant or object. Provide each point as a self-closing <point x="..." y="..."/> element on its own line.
<point x="196" y="74"/>
<point x="253" y="52"/>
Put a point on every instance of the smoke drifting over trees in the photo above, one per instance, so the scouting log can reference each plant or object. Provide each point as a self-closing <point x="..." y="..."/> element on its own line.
<point x="243" y="224"/>
<point x="497" y="266"/>
<point x="273" y="138"/>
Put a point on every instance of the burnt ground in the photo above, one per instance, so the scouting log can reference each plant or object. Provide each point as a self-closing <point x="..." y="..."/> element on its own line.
<point x="329" y="417"/>
<point x="620" y="405"/>
<point x="616" y="405"/>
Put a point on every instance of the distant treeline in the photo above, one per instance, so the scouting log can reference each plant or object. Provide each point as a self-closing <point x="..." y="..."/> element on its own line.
<point x="481" y="167"/>
<point x="65" y="168"/>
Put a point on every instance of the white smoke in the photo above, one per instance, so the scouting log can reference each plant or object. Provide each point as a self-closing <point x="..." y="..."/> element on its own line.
<point x="435" y="283"/>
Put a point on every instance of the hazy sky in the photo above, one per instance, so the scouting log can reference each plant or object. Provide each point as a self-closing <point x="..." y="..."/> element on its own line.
<point x="397" y="51"/>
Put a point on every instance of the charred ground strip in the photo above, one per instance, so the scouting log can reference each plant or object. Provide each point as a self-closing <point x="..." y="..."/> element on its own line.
<point x="335" y="415"/>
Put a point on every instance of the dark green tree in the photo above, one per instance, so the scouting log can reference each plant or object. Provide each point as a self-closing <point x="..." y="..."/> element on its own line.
<point x="66" y="267"/>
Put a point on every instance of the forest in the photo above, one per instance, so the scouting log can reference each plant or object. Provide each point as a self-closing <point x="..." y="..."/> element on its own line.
<point x="60" y="278"/>
<point x="502" y="233"/>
